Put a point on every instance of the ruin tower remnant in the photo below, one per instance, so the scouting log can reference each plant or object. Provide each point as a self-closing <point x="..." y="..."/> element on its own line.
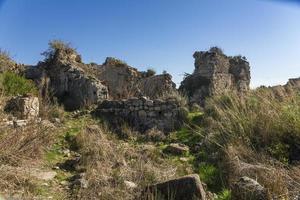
<point x="215" y="73"/>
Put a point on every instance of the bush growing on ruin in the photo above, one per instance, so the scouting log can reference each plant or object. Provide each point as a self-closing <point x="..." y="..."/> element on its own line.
<point x="60" y="48"/>
<point x="150" y="72"/>
<point x="216" y="49"/>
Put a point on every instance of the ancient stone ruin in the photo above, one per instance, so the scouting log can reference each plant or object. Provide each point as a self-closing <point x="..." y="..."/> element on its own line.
<point x="124" y="81"/>
<point x="65" y="77"/>
<point x="23" y="107"/>
<point x="142" y="113"/>
<point x="215" y="73"/>
<point x="284" y="91"/>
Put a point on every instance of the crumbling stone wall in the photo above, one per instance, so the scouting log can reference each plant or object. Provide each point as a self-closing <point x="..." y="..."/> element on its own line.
<point x="142" y="113"/>
<point x="156" y="86"/>
<point x="285" y="91"/>
<point x="216" y="73"/>
<point x="124" y="81"/>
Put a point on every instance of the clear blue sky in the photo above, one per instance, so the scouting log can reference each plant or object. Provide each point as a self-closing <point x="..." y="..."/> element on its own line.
<point x="161" y="34"/>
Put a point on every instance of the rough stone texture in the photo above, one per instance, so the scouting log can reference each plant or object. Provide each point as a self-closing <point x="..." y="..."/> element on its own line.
<point x="23" y="107"/>
<point x="119" y="77"/>
<point x="156" y="86"/>
<point x="142" y="113"/>
<point x="184" y="188"/>
<point x="247" y="188"/>
<point x="216" y="73"/>
<point x="124" y="81"/>
<point x="69" y="81"/>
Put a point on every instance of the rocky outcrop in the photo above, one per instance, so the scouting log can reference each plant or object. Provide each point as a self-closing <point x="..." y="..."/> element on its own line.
<point x="67" y="79"/>
<point x="124" y="81"/>
<point x="23" y="107"/>
<point x="142" y="113"/>
<point x="215" y="73"/>
<point x="184" y="188"/>
<point x="247" y="188"/>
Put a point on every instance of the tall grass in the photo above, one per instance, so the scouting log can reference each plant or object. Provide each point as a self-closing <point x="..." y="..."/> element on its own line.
<point x="257" y="135"/>
<point x="259" y="120"/>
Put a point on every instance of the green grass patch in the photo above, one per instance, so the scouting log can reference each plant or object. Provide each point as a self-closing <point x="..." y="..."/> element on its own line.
<point x="225" y="194"/>
<point x="195" y="117"/>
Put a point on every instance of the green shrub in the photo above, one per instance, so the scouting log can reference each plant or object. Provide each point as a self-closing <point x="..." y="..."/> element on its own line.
<point x="12" y="84"/>
<point x="210" y="175"/>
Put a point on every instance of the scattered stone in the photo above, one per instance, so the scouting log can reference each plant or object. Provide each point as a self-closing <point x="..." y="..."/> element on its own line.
<point x="247" y="188"/>
<point x="184" y="188"/>
<point x="176" y="149"/>
<point x="184" y="159"/>
<point x="19" y="123"/>
<point x="130" y="185"/>
<point x="79" y="181"/>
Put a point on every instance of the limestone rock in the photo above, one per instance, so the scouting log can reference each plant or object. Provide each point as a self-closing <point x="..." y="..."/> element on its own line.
<point x="177" y="149"/>
<point x="130" y="185"/>
<point x="184" y="188"/>
<point x="23" y="107"/>
<point x="247" y="188"/>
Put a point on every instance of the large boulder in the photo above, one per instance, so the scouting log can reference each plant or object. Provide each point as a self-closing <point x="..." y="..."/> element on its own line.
<point x="184" y="188"/>
<point x="249" y="189"/>
<point x="215" y="73"/>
